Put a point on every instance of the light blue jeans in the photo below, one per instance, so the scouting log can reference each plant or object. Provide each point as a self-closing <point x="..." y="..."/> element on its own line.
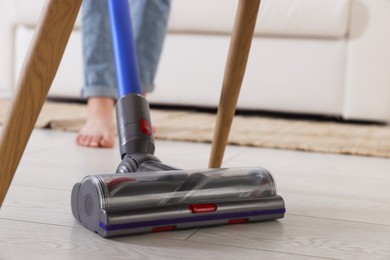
<point x="149" y="18"/>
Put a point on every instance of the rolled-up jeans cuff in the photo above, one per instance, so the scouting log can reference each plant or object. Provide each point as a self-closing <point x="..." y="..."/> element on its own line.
<point x="99" y="91"/>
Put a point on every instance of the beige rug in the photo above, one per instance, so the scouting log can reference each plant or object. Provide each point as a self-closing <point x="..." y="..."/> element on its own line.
<point x="328" y="137"/>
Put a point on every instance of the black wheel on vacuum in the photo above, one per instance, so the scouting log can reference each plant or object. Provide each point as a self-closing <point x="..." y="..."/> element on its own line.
<point x="127" y="165"/>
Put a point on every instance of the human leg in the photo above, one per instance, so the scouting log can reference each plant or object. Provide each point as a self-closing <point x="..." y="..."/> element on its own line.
<point x="99" y="64"/>
<point x="150" y="21"/>
<point x="149" y="18"/>
<point x="99" y="76"/>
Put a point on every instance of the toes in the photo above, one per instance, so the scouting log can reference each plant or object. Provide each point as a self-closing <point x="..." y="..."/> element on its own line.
<point x="95" y="141"/>
<point x="96" y="134"/>
<point x="86" y="140"/>
<point x="107" y="141"/>
<point x="89" y="141"/>
<point x="79" y="138"/>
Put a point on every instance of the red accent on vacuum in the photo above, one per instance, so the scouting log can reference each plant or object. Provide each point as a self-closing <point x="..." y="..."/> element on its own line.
<point x="237" y="220"/>
<point x="202" y="208"/>
<point x="111" y="185"/>
<point x="145" y="127"/>
<point x="161" y="229"/>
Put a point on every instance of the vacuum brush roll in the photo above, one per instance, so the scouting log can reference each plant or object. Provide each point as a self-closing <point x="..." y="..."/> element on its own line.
<point x="131" y="203"/>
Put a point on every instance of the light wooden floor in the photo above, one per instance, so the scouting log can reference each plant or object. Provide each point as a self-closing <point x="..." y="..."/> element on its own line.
<point x="338" y="207"/>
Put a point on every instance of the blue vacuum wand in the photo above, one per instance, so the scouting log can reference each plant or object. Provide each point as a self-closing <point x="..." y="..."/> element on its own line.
<point x="146" y="195"/>
<point x="124" y="48"/>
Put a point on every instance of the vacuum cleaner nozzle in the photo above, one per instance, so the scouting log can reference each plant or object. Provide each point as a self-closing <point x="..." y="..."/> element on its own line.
<point x="141" y="202"/>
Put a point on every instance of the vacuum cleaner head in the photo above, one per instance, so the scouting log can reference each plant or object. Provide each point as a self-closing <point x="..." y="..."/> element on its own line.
<point x="141" y="202"/>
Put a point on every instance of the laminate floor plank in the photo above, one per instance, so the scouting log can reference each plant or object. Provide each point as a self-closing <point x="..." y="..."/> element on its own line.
<point x="25" y="240"/>
<point x="305" y="235"/>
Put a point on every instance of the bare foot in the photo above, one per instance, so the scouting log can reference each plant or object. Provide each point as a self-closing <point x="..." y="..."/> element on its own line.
<point x="99" y="130"/>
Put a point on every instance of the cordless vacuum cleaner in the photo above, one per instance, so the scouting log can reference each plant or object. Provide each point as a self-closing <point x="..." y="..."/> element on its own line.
<point x="145" y="195"/>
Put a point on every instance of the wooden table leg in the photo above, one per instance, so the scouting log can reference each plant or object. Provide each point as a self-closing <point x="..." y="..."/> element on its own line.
<point x="40" y="67"/>
<point x="240" y="45"/>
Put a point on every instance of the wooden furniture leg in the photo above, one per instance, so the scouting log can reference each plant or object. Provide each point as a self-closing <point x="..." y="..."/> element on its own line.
<point x="240" y="45"/>
<point x="38" y="72"/>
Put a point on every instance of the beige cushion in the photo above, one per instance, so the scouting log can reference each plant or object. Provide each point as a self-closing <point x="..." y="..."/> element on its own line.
<point x="302" y="18"/>
<point x="291" y="18"/>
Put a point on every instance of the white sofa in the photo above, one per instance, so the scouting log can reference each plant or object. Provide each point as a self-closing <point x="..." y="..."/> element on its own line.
<point x="328" y="57"/>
